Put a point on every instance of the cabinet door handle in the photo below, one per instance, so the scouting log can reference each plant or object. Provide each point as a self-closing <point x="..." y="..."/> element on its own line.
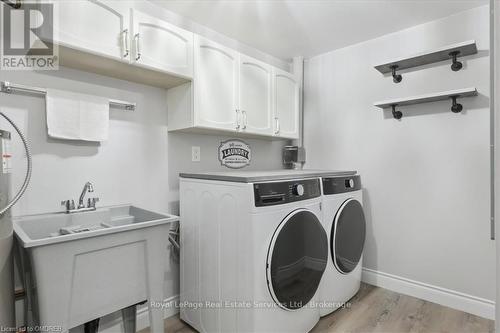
<point x="245" y="120"/>
<point x="237" y="119"/>
<point x="277" y="131"/>
<point x="125" y="43"/>
<point x="137" y="47"/>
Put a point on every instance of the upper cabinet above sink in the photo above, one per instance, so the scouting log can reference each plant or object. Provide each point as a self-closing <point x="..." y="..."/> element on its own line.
<point x="110" y="38"/>
<point x="161" y="45"/>
<point x="99" y="26"/>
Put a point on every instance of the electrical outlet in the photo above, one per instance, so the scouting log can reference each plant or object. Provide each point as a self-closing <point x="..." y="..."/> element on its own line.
<point x="195" y="154"/>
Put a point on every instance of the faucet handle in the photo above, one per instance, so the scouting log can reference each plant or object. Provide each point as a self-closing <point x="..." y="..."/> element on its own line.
<point x="68" y="204"/>
<point x="91" y="202"/>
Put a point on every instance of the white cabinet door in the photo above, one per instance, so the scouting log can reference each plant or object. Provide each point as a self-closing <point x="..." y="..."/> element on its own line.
<point x="95" y="26"/>
<point x="215" y="86"/>
<point x="255" y="96"/>
<point x="161" y="45"/>
<point x="286" y="113"/>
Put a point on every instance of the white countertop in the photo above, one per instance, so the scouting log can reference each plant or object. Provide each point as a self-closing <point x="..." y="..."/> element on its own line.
<point x="265" y="175"/>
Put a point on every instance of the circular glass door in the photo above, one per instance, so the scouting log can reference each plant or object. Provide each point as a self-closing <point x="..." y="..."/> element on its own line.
<point x="348" y="236"/>
<point x="296" y="259"/>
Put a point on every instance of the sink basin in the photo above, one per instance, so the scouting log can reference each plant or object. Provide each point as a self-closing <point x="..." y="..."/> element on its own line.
<point x="115" y="261"/>
<point x="44" y="229"/>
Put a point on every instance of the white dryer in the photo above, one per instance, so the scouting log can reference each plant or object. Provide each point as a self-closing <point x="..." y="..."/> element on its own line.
<point x="345" y="225"/>
<point x="253" y="251"/>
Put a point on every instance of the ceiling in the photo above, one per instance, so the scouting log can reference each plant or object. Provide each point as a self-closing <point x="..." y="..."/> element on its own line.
<point x="287" y="28"/>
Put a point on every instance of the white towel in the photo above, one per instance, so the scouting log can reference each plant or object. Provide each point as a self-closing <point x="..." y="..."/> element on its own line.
<point x="75" y="116"/>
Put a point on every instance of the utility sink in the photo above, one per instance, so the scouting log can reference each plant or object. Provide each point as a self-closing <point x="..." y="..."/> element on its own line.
<point x="82" y="266"/>
<point x="44" y="229"/>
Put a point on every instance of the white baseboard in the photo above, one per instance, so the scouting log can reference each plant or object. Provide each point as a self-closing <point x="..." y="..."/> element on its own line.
<point x="142" y="320"/>
<point x="478" y="306"/>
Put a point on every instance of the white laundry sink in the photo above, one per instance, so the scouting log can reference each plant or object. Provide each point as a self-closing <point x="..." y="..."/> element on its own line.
<point x="75" y="278"/>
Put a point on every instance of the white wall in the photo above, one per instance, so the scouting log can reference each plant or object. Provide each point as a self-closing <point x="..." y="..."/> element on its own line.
<point x="426" y="177"/>
<point x="139" y="163"/>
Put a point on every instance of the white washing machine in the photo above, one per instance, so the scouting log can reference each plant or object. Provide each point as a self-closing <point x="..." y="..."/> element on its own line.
<point x="253" y="251"/>
<point x="345" y="225"/>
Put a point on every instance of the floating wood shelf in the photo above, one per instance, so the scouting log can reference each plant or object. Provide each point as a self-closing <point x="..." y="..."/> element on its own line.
<point x="429" y="57"/>
<point x="466" y="92"/>
<point x="445" y="95"/>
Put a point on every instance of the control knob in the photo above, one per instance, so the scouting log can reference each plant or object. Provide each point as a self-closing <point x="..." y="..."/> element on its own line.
<point x="298" y="189"/>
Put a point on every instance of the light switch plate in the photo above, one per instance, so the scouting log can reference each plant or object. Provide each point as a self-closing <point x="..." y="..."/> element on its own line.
<point x="195" y="154"/>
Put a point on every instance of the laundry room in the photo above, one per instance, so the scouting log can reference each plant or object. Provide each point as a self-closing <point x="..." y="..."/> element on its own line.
<point x="249" y="166"/>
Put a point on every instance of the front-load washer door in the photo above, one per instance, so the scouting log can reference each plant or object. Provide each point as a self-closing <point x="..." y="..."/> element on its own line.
<point x="347" y="238"/>
<point x="296" y="259"/>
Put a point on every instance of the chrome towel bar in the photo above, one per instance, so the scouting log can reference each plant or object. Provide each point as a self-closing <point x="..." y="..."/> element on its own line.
<point x="8" y="88"/>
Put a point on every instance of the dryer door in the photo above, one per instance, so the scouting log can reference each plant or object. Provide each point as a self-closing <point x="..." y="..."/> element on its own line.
<point x="347" y="238"/>
<point x="296" y="259"/>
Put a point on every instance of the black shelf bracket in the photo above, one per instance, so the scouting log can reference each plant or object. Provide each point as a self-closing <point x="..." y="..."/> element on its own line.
<point x="396" y="78"/>
<point x="456" y="107"/>
<point x="395" y="113"/>
<point x="455" y="65"/>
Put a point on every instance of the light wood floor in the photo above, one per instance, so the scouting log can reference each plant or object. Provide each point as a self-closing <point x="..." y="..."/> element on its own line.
<point x="379" y="310"/>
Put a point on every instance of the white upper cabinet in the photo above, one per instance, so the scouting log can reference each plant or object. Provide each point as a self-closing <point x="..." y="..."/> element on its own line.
<point x="215" y="86"/>
<point x="232" y="92"/>
<point x="211" y="87"/>
<point x="255" y="96"/>
<point x="96" y="26"/>
<point x="286" y="112"/>
<point x="161" y="45"/>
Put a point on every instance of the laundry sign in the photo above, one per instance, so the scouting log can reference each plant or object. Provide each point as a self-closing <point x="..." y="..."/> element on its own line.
<point x="234" y="154"/>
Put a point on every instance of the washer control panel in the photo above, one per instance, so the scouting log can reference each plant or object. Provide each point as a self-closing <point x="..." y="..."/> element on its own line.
<point x="336" y="185"/>
<point x="279" y="193"/>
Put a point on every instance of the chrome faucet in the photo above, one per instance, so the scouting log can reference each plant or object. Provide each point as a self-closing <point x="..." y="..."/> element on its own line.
<point x="88" y="187"/>
<point x="70" y="204"/>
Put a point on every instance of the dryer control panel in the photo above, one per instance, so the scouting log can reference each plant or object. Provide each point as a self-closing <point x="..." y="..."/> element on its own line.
<point x="336" y="185"/>
<point x="279" y="193"/>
